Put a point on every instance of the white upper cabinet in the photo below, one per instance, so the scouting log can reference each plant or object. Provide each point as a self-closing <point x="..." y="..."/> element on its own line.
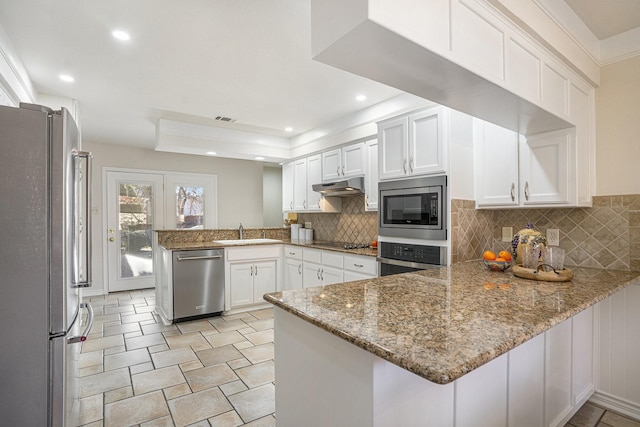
<point x="411" y="145"/>
<point x="343" y="162"/>
<point x="545" y="168"/>
<point x="300" y="185"/>
<point x="298" y="178"/>
<point x="496" y="165"/>
<point x="353" y="160"/>
<point x="287" y="187"/>
<point x="513" y="171"/>
<point x="331" y="165"/>
<point x="371" y="177"/>
<point x="314" y="176"/>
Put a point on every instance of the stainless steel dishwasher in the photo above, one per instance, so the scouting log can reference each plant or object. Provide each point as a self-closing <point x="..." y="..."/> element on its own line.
<point x="198" y="283"/>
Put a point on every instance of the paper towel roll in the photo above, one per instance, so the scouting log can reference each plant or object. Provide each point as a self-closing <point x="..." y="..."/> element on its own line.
<point x="295" y="232"/>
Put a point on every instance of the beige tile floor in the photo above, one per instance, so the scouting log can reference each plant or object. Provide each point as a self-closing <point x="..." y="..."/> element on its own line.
<point x="219" y="372"/>
<point x="135" y="371"/>
<point x="590" y="415"/>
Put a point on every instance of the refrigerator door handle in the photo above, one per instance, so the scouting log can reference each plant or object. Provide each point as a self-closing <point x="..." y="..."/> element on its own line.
<point x="77" y="280"/>
<point x="85" y="333"/>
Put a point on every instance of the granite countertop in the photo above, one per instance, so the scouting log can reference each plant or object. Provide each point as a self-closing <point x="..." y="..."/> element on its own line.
<point x="441" y="324"/>
<point x="316" y="244"/>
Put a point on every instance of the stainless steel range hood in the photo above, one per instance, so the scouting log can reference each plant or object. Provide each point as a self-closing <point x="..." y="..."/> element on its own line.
<point x="347" y="187"/>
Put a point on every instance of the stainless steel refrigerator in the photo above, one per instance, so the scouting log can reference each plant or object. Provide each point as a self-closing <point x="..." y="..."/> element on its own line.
<point x="45" y="254"/>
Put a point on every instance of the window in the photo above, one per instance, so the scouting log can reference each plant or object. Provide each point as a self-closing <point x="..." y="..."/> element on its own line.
<point x="191" y="202"/>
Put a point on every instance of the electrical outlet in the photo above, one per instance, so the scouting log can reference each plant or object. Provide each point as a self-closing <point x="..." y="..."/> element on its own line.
<point x="507" y="234"/>
<point x="307" y="224"/>
<point x="553" y="236"/>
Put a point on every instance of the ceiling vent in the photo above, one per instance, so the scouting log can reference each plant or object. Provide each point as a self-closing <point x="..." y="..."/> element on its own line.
<point x="225" y="119"/>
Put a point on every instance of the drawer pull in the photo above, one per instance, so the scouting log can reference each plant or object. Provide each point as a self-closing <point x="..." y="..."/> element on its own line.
<point x="358" y="265"/>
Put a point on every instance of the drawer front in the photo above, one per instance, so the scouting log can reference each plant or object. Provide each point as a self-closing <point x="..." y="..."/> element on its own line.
<point x="332" y="259"/>
<point x="250" y="253"/>
<point x="312" y="255"/>
<point x="294" y="252"/>
<point x="361" y="264"/>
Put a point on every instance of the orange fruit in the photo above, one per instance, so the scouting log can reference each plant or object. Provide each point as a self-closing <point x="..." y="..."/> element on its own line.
<point x="500" y="259"/>
<point x="505" y="254"/>
<point x="489" y="255"/>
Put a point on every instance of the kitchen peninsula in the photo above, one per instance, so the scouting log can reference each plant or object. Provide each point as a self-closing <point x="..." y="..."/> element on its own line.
<point x="458" y="345"/>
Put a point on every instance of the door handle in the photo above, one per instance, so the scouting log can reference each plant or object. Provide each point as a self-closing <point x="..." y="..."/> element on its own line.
<point x="191" y="258"/>
<point x="513" y="189"/>
<point x="404" y="166"/>
<point x="343" y="171"/>
<point x="112" y="239"/>
<point x="85" y="333"/>
<point x="256" y="267"/>
<point x="300" y="269"/>
<point x="411" y="165"/>
<point x="526" y="190"/>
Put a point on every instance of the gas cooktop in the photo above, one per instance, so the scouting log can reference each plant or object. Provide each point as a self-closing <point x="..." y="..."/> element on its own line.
<point x="343" y="245"/>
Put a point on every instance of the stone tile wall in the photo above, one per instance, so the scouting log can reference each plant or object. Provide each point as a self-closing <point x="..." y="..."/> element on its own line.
<point x="606" y="235"/>
<point x="352" y="225"/>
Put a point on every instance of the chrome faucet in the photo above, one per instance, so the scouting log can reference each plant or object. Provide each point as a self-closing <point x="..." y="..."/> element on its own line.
<point x="241" y="230"/>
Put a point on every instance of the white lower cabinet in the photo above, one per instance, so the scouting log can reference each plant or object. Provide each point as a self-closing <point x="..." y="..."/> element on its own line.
<point x="359" y="267"/>
<point x="292" y="274"/>
<point x="481" y="389"/>
<point x="618" y="343"/>
<point x="307" y="267"/>
<point x="530" y="386"/>
<point x="542" y="382"/>
<point x="251" y="272"/>
<point x="250" y="281"/>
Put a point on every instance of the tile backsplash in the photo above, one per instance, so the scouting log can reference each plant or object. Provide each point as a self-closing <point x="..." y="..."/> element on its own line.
<point x="352" y="225"/>
<point x="606" y="235"/>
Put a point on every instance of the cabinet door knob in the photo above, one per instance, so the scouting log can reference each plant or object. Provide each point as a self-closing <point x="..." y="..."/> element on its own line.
<point x="513" y="192"/>
<point x="526" y="190"/>
<point x="112" y="239"/>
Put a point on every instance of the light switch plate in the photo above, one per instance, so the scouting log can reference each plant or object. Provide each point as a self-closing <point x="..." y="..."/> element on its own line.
<point x="307" y="224"/>
<point x="507" y="234"/>
<point x="553" y="236"/>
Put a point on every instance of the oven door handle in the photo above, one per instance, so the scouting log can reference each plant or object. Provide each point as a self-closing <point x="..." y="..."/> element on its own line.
<point x="408" y="264"/>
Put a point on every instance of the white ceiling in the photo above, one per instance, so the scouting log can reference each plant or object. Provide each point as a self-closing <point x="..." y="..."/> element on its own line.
<point x="607" y="18"/>
<point x="189" y="61"/>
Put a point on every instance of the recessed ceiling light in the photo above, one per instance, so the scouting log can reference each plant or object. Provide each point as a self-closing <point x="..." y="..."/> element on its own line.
<point x="259" y="158"/>
<point x="288" y="129"/>
<point x="66" y="78"/>
<point x="121" y="35"/>
<point x="211" y="153"/>
<point x="361" y="97"/>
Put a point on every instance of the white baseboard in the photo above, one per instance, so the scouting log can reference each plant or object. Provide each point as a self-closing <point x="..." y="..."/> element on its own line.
<point x="616" y="404"/>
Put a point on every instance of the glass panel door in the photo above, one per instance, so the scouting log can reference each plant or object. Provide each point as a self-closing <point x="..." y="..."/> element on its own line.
<point x="135" y="204"/>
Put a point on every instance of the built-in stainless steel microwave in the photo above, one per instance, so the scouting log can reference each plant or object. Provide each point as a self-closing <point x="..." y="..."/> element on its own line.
<point x="414" y="208"/>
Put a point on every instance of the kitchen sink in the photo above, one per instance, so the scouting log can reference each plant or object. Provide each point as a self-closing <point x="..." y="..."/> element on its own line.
<point x="246" y="241"/>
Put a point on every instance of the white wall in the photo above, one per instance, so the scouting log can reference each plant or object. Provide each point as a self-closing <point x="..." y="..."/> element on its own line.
<point x="272" y="196"/>
<point x="239" y="187"/>
<point x="618" y="129"/>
